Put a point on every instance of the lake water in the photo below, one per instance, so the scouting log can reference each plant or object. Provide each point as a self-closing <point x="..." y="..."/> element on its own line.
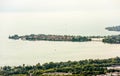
<point x="17" y="52"/>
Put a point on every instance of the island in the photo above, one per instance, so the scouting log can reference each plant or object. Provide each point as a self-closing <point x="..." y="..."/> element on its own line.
<point x="33" y="37"/>
<point x="114" y="28"/>
<point x="114" y="39"/>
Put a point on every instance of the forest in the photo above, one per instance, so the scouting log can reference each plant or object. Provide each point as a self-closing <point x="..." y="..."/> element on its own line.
<point x="78" y="68"/>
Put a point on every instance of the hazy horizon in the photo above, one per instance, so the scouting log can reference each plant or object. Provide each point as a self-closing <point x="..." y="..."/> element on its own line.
<point x="74" y="17"/>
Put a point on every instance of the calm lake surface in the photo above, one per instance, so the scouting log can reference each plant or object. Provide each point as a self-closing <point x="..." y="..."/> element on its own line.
<point x="17" y="52"/>
<point x="92" y="23"/>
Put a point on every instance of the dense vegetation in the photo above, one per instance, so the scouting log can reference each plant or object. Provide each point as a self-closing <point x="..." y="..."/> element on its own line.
<point x="112" y="39"/>
<point x="115" y="28"/>
<point x="81" y="68"/>
<point x="34" y="37"/>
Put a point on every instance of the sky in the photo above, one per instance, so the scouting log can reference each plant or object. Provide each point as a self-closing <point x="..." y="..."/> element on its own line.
<point x="58" y="5"/>
<point x="84" y="17"/>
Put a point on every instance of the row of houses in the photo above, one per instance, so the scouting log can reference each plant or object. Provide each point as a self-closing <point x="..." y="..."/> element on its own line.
<point x="47" y="37"/>
<point x="50" y="37"/>
<point x="111" y="74"/>
<point x="113" y="67"/>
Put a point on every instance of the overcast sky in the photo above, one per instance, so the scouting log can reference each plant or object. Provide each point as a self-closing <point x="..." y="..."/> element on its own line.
<point x="58" y="16"/>
<point x="59" y="5"/>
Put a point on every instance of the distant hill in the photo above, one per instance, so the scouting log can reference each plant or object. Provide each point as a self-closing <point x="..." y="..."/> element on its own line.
<point x="114" y="28"/>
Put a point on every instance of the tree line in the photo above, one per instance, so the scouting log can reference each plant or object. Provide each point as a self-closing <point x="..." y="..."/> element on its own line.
<point x="82" y="68"/>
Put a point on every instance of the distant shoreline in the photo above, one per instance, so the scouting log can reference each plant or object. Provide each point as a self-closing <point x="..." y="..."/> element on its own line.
<point x="114" y="39"/>
<point x="44" y="37"/>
